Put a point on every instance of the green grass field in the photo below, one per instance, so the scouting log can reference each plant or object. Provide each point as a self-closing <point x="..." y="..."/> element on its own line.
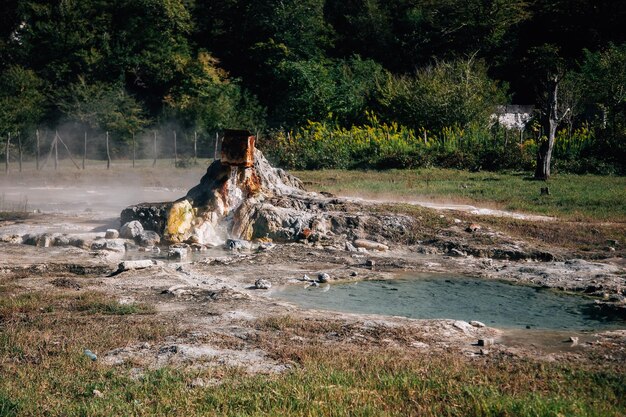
<point x="572" y="197"/>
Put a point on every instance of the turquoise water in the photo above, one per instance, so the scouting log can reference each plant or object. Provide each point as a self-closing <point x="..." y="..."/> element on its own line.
<point x="494" y="303"/>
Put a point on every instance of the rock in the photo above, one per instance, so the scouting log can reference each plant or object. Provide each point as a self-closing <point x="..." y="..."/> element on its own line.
<point x="13" y="239"/>
<point x="262" y="284"/>
<point x="111" y="234"/>
<point x="97" y="394"/>
<point x="90" y="355"/>
<point x="350" y="247"/>
<point x="457" y="252"/>
<point x="323" y="277"/>
<point x="148" y="238"/>
<point x="354" y="274"/>
<point x="306" y="278"/>
<point x="177" y="253"/>
<point x="476" y="323"/>
<point x="573" y="340"/>
<point x="131" y="230"/>
<point x="238" y="244"/>
<point x="370" y="245"/>
<point x="473" y="227"/>
<point x="265" y="246"/>
<point x="485" y="342"/>
<point x="457" y="221"/>
<point x="112" y="245"/>
<point x="371" y="263"/>
<point x="178" y="227"/>
<point x="140" y="264"/>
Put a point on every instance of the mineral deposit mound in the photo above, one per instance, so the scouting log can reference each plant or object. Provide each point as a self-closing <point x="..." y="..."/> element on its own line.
<point x="242" y="196"/>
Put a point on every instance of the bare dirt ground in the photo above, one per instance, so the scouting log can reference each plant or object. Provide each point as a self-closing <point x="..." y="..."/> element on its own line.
<point x="224" y="321"/>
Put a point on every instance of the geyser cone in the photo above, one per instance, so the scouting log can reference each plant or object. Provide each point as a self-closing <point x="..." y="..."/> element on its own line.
<point x="242" y="196"/>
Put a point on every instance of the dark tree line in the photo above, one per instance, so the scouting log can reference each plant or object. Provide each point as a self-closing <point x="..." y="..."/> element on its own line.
<point x="123" y="65"/>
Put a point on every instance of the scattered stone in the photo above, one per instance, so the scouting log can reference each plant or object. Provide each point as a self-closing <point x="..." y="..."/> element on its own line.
<point x="238" y="244"/>
<point x="90" y="355"/>
<point x="457" y="221"/>
<point x="323" y="277"/>
<point x="139" y="264"/>
<point x="371" y="263"/>
<point x="13" y="239"/>
<point x="370" y="245"/>
<point x="420" y="345"/>
<point x="97" y="394"/>
<point x="474" y="227"/>
<point x="306" y="278"/>
<point x="131" y="230"/>
<point x="484" y="352"/>
<point x="148" y="238"/>
<point x="266" y="246"/>
<point x="611" y="249"/>
<point x="111" y="234"/>
<point x="573" y="340"/>
<point x="457" y="252"/>
<point x="262" y="284"/>
<point x="477" y="323"/>
<point x="486" y="342"/>
<point x="350" y="247"/>
<point x="112" y="245"/>
<point x="177" y="253"/>
<point x="354" y="274"/>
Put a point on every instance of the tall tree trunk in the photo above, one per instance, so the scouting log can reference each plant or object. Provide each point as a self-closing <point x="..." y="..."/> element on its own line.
<point x="544" y="153"/>
<point x="84" y="150"/>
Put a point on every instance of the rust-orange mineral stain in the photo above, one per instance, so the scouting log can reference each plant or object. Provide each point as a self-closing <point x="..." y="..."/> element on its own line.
<point x="238" y="148"/>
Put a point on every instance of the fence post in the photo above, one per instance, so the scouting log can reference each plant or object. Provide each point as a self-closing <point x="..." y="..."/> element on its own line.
<point x="134" y="146"/>
<point x="155" y="149"/>
<point x="84" y="150"/>
<point x="6" y="154"/>
<point x="195" y="147"/>
<point x="19" y="149"/>
<point x="108" y="153"/>
<point x="175" y="151"/>
<point x="37" y="150"/>
<point x="56" y="150"/>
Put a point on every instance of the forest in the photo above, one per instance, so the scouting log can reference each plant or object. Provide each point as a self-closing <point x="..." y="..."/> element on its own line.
<point x="324" y="83"/>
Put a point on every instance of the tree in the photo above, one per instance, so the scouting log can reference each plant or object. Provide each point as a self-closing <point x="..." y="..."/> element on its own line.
<point x="205" y="99"/>
<point x="446" y="94"/>
<point x="22" y="99"/>
<point x="102" y="106"/>
<point x="549" y="70"/>
<point x="603" y="74"/>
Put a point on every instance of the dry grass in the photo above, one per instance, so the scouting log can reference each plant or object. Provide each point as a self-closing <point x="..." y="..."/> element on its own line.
<point x="45" y="373"/>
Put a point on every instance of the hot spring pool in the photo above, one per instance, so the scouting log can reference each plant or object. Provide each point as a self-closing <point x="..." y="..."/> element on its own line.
<point x="494" y="303"/>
